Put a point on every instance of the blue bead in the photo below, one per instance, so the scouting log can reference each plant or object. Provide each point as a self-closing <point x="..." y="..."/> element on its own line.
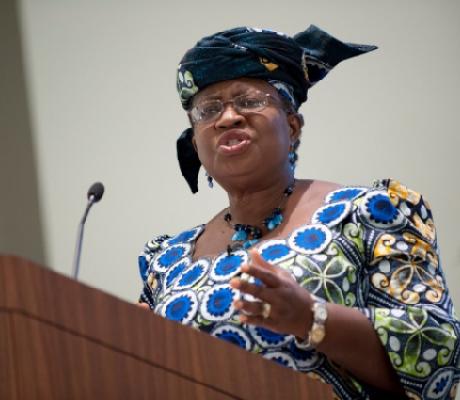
<point x="239" y="235"/>
<point x="272" y="222"/>
<point x="249" y="243"/>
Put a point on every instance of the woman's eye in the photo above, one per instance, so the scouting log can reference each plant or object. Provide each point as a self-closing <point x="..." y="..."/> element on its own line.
<point x="210" y="108"/>
<point x="250" y="102"/>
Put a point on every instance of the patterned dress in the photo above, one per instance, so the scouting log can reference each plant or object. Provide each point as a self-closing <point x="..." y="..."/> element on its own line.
<point x="373" y="249"/>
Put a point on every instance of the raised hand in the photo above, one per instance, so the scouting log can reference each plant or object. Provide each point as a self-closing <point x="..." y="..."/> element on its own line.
<point x="284" y="306"/>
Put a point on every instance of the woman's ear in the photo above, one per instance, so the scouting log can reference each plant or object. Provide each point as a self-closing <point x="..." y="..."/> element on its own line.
<point x="190" y="119"/>
<point x="193" y="137"/>
<point x="296" y="122"/>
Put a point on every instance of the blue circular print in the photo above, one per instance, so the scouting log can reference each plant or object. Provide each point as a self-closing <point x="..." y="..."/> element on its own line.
<point x="170" y="256"/>
<point x="175" y="271"/>
<point x="181" y="307"/>
<point x="332" y="214"/>
<point x="439" y="384"/>
<point x="305" y="358"/>
<point x="281" y="358"/>
<point x="186" y="236"/>
<point x="345" y="194"/>
<point x="268" y="339"/>
<point x="275" y="251"/>
<point x="192" y="275"/>
<point x="310" y="239"/>
<point x="226" y="266"/>
<point x="217" y="303"/>
<point x="233" y="334"/>
<point x="378" y="211"/>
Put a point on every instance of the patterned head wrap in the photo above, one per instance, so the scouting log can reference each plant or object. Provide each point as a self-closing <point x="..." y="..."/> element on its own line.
<point x="291" y="64"/>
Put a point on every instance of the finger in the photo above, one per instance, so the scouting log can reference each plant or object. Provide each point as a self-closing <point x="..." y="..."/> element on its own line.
<point x="261" y="293"/>
<point x="256" y="258"/>
<point x="258" y="262"/>
<point x="246" y="287"/>
<point x="251" y="308"/>
<point x="268" y="278"/>
<point x="257" y="321"/>
<point x="143" y="305"/>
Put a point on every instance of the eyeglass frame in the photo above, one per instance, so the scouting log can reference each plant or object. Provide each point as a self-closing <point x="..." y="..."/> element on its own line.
<point x="286" y="105"/>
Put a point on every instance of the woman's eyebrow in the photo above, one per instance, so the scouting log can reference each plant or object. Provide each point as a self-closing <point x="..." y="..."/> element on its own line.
<point x="236" y="93"/>
<point x="211" y="97"/>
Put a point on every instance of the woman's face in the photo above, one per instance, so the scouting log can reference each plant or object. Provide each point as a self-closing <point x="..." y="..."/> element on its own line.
<point x="240" y="145"/>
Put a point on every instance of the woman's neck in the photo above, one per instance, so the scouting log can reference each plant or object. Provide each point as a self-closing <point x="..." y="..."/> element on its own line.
<point x="254" y="204"/>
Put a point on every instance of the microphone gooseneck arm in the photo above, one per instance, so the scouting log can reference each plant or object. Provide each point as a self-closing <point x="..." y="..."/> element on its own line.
<point x="81" y="228"/>
<point x="95" y="193"/>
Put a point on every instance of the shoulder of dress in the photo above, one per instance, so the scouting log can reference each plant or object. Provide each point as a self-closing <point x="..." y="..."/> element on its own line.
<point x="154" y="244"/>
<point x="389" y="204"/>
<point x="347" y="193"/>
<point x="151" y="248"/>
<point x="163" y="241"/>
<point x="399" y="192"/>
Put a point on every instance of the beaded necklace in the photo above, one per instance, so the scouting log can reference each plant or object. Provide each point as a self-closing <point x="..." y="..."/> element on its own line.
<point x="247" y="235"/>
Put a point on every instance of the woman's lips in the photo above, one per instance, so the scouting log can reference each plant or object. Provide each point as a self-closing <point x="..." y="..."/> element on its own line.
<point x="233" y="142"/>
<point x="233" y="147"/>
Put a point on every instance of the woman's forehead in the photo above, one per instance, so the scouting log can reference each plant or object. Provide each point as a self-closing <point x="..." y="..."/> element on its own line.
<point x="235" y="87"/>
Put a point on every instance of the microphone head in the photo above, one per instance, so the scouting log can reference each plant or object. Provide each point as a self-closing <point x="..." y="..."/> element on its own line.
<point x="96" y="191"/>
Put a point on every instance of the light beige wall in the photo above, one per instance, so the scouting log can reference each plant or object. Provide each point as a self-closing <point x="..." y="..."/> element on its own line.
<point x="20" y="224"/>
<point x="101" y="79"/>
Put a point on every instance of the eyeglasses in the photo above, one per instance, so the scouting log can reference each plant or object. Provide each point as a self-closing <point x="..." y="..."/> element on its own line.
<point x="210" y="110"/>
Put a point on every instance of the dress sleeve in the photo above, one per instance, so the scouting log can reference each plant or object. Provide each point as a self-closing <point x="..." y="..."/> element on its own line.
<point x="407" y="298"/>
<point x="149" y="278"/>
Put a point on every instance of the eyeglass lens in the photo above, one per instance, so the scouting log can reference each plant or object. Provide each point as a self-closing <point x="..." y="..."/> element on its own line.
<point x="212" y="109"/>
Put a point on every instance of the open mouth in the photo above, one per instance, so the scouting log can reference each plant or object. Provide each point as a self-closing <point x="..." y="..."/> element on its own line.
<point x="233" y="147"/>
<point x="233" y="142"/>
<point x="233" y="137"/>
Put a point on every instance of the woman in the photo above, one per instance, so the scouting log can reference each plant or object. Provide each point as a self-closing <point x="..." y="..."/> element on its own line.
<point x="342" y="283"/>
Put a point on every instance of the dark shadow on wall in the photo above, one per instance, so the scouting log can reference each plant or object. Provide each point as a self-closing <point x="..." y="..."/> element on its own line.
<point x="21" y="230"/>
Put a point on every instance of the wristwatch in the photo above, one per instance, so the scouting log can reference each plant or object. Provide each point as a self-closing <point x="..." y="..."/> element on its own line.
<point x="318" y="328"/>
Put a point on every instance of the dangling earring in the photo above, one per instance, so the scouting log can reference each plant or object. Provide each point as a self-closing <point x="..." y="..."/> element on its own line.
<point x="210" y="180"/>
<point x="292" y="156"/>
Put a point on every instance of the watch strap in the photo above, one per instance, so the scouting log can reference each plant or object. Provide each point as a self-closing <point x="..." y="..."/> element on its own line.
<point x="317" y="331"/>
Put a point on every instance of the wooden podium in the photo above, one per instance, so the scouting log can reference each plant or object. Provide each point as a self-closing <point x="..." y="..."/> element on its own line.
<point x="60" y="339"/>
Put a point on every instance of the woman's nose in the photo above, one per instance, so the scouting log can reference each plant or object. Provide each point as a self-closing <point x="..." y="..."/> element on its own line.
<point x="229" y="117"/>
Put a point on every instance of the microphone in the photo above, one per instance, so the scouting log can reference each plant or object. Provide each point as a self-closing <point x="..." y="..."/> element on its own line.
<point x="95" y="193"/>
<point x="96" y="190"/>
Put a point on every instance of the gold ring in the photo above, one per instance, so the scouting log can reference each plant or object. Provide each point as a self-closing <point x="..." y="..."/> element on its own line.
<point x="266" y="308"/>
